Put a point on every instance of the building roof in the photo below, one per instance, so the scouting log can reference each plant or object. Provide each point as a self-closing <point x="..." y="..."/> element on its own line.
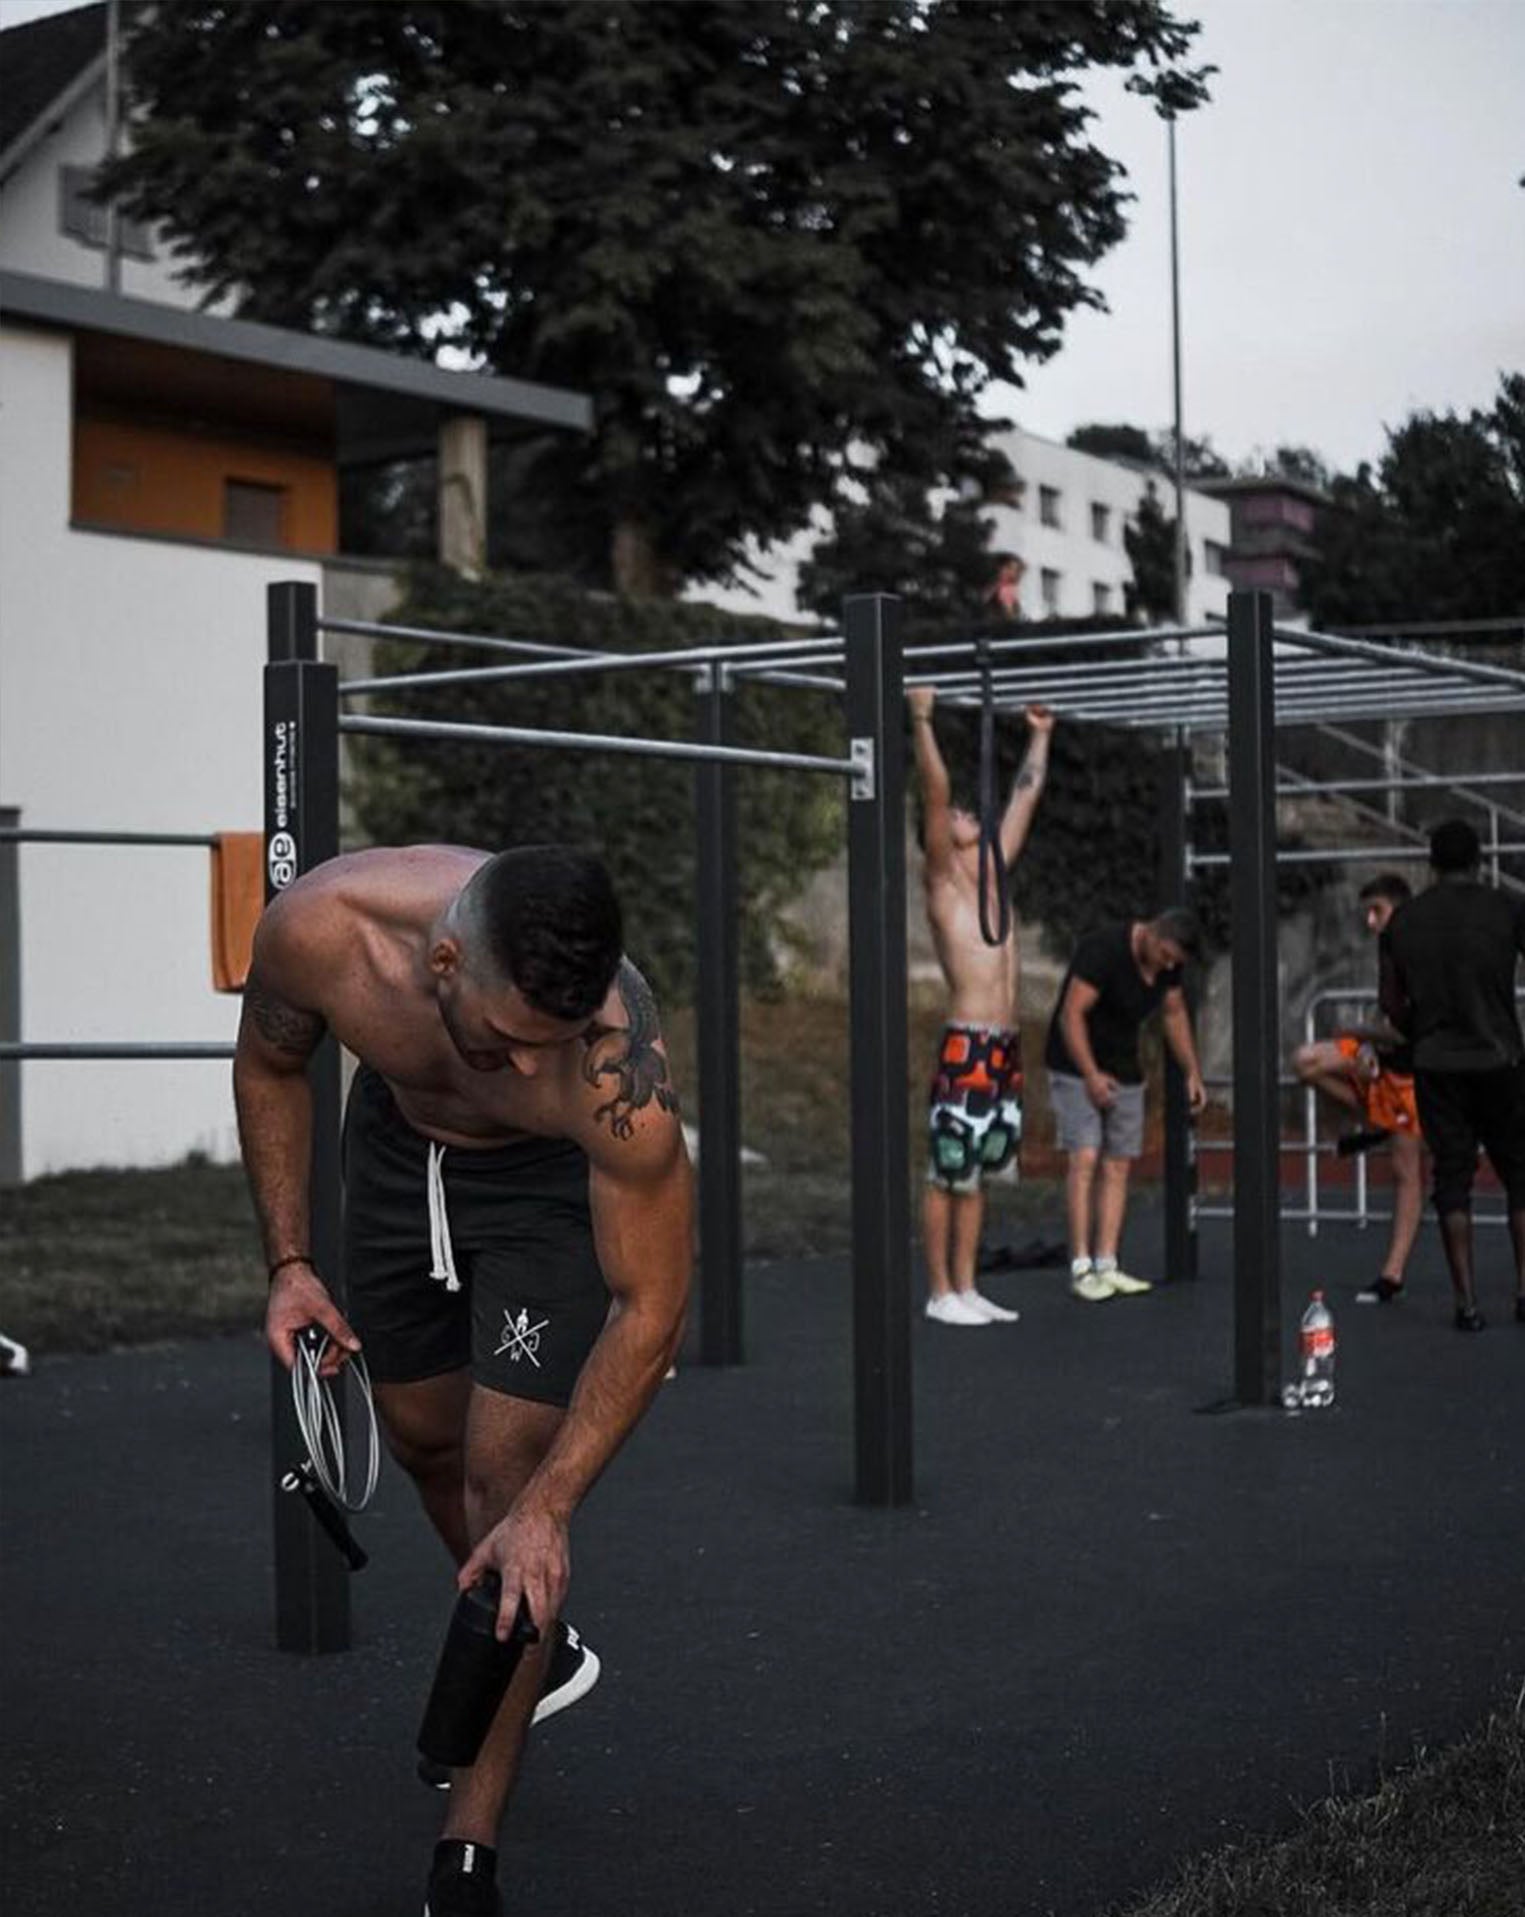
<point x="42" y="62"/>
<point x="1242" y="483"/>
<point x="392" y="404"/>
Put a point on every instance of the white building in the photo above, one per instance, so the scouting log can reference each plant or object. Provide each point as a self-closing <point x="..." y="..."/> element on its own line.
<point x="159" y="468"/>
<point x="1066" y="526"/>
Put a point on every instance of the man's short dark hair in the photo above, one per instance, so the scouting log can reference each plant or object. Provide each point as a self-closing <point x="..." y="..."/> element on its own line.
<point x="1182" y="927"/>
<point x="551" y="925"/>
<point x="1454" y="846"/>
<point x="1392" y="886"/>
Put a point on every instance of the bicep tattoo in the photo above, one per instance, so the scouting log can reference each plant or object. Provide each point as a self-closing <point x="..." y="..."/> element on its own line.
<point x="631" y="1058"/>
<point x="283" y="1027"/>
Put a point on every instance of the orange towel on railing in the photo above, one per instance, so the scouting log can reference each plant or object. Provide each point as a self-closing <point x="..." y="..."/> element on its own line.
<point x="238" y="898"/>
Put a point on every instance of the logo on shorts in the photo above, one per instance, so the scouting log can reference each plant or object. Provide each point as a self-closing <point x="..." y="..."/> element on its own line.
<point x="519" y="1338"/>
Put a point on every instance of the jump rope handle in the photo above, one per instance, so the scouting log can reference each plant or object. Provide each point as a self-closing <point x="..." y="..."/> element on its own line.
<point x="327" y="1513"/>
<point x="992" y="867"/>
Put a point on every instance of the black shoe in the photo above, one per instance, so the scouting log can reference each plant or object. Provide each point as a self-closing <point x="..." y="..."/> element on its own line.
<point x="1354" y="1143"/>
<point x="1381" y="1291"/>
<point x="1469" y="1318"/>
<point x="570" y="1675"/>
<point x="1519" y="1311"/>
<point x="572" y="1672"/>
<point x="461" y="1882"/>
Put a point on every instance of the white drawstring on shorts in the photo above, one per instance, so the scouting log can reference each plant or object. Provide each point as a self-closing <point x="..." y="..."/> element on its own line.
<point x="441" y="1251"/>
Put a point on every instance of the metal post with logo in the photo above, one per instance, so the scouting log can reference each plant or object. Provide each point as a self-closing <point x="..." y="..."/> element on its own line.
<point x="301" y="757"/>
<point x="878" y="1066"/>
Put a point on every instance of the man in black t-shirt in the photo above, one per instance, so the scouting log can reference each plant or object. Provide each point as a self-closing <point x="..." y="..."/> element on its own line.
<point x="1118" y="976"/>
<point x="1448" y="985"/>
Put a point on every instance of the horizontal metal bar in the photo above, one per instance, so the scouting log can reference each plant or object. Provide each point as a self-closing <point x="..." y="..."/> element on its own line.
<point x="1346" y="852"/>
<point x="1418" y="783"/>
<point x="1063" y="641"/>
<point x="1213" y="716"/>
<point x="1391" y="655"/>
<point x="45" y="1048"/>
<point x="584" y="663"/>
<point x="37" y="835"/>
<point x="1321" y="1148"/>
<point x="1302" y="1216"/>
<point x="595" y="742"/>
<point x="438" y="636"/>
<point x="1439" y="627"/>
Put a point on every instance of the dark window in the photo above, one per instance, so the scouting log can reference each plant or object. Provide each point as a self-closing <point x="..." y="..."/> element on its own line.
<point x="85" y="219"/>
<point x="1048" y="505"/>
<point x="253" y="514"/>
<point x="1101" y="519"/>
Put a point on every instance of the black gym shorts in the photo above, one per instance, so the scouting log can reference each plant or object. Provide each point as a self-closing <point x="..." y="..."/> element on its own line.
<point x="532" y="1299"/>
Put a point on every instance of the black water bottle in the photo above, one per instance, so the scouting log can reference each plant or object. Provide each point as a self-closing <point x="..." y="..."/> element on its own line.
<point x="474" y="1671"/>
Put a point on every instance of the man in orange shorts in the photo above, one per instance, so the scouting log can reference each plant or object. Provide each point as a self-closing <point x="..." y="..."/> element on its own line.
<point x="1370" y="1071"/>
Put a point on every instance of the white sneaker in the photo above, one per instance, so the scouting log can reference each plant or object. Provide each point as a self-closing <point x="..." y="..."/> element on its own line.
<point x="953" y="1308"/>
<point x="994" y="1313"/>
<point x="1091" y="1286"/>
<point x="1122" y="1282"/>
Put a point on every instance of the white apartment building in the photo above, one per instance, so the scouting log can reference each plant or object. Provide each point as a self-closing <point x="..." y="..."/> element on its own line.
<point x="1066" y="526"/>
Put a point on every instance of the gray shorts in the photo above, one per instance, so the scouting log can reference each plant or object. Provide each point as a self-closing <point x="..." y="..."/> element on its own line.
<point x="1118" y="1132"/>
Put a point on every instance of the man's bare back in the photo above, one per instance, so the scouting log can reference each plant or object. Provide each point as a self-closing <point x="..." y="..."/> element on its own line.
<point x="349" y="943"/>
<point x="982" y="979"/>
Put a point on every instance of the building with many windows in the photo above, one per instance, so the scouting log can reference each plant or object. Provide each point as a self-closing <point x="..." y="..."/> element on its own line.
<point x="1064" y="519"/>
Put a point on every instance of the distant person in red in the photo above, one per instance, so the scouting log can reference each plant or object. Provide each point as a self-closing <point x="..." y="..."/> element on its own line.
<point x="1370" y="1070"/>
<point x="1448" y="985"/>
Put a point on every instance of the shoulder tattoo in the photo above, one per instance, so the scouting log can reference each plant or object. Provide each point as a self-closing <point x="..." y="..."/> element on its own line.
<point x="631" y="1058"/>
<point x="285" y="1027"/>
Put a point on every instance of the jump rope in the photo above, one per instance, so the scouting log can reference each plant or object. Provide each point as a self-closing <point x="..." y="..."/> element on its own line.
<point x="323" y="1477"/>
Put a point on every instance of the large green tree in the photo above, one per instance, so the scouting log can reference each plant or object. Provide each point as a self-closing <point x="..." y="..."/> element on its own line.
<point x="1436" y="531"/>
<point x="759" y="232"/>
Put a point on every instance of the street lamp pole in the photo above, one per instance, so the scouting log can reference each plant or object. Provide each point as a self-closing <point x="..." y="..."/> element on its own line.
<point x="1175" y="333"/>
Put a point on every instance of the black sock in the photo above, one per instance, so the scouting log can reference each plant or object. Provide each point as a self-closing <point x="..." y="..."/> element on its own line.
<point x="470" y="1860"/>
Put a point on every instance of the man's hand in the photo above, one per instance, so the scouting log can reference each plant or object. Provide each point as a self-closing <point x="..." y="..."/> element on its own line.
<point x="921" y="699"/>
<point x="531" y="1553"/>
<point x="298" y="1298"/>
<point x="1102" y="1089"/>
<point x="1039" y="719"/>
<point x="1196" y="1093"/>
<point x="1368" y="1065"/>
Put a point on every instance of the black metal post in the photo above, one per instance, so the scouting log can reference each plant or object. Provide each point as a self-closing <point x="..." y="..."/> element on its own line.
<point x="301" y="755"/>
<point x="720" y="1237"/>
<point x="10" y="998"/>
<point x="1180" y="1152"/>
<point x="881" y="1218"/>
<point x="1257" y="1039"/>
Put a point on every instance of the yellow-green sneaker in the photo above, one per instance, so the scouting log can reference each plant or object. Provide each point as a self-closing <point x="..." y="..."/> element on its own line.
<point x="1091" y="1286"/>
<point x="1123" y="1283"/>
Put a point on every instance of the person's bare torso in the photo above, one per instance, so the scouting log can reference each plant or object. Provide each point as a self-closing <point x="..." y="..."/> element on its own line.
<point x="983" y="979"/>
<point x="371" y="914"/>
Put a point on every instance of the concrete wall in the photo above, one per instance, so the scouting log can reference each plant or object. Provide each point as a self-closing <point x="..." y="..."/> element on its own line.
<point x="129" y="700"/>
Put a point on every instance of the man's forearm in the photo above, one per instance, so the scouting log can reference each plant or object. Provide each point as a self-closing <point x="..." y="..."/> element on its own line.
<point x="1078" y="1038"/>
<point x="1033" y="771"/>
<point x="275" y="1135"/>
<point x="620" y="1377"/>
<point x="1183" y="1046"/>
<point x="930" y="770"/>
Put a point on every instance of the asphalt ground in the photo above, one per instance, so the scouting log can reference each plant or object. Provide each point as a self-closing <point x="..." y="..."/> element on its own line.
<point x="1109" y="1633"/>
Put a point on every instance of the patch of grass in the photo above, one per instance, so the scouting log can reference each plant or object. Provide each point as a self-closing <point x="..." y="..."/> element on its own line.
<point x="93" y="1259"/>
<point x="1444" y="1837"/>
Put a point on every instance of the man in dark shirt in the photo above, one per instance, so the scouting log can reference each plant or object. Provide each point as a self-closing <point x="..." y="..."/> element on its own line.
<point x="1118" y="976"/>
<point x="1448" y="985"/>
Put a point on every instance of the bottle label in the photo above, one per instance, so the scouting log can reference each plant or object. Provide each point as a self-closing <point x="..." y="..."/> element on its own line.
<point x="1318" y="1342"/>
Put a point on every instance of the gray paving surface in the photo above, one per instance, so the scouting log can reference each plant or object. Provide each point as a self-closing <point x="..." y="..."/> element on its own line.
<point x="1109" y="1633"/>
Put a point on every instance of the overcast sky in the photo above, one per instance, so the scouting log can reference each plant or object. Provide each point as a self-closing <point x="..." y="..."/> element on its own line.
<point x="1352" y="229"/>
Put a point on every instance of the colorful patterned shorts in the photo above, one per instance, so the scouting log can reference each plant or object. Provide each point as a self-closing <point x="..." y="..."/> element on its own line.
<point x="975" y="1122"/>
